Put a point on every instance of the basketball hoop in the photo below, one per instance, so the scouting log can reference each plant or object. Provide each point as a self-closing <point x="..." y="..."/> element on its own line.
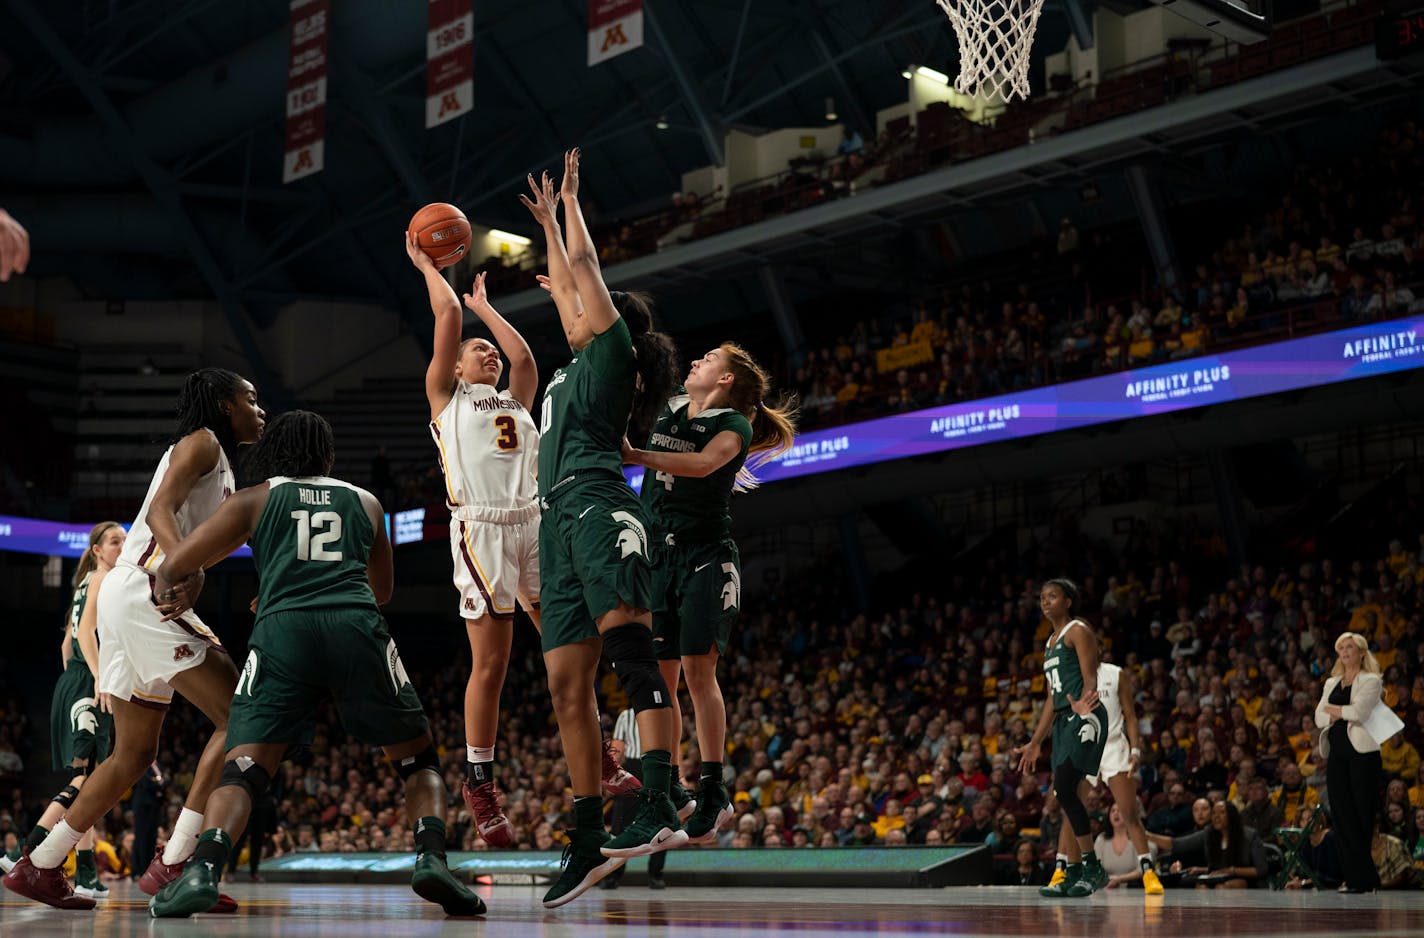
<point x="995" y="38"/>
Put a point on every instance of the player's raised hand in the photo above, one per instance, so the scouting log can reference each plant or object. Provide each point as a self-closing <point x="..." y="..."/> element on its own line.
<point x="477" y="299"/>
<point x="545" y="204"/>
<point x="14" y="246"/>
<point x="545" y="283"/>
<point x="418" y="257"/>
<point x="569" y="188"/>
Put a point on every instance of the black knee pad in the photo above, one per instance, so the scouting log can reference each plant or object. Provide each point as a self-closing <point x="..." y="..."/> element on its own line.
<point x="425" y="759"/>
<point x="1065" y="785"/>
<point x="630" y="653"/>
<point x="243" y="773"/>
<point x="66" y="797"/>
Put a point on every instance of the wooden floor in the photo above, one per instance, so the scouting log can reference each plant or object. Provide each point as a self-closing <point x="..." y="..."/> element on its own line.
<point x="343" y="911"/>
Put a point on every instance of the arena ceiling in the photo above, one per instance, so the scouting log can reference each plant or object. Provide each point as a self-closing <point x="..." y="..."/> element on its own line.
<point x="141" y="140"/>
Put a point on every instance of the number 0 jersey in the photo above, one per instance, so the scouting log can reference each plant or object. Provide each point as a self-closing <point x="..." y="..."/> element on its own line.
<point x="693" y="510"/>
<point x="489" y="448"/>
<point x="311" y="546"/>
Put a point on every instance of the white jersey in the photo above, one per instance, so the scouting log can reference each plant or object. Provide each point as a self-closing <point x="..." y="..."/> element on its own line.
<point x="141" y="549"/>
<point x="489" y="448"/>
<point x="1109" y="680"/>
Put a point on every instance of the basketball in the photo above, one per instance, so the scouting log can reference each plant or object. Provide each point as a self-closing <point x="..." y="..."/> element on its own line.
<point x="443" y="233"/>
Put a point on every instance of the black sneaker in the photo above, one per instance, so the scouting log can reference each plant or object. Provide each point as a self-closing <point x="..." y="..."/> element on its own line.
<point x="682" y="800"/>
<point x="583" y="866"/>
<point x="714" y="810"/>
<point x="433" y="882"/>
<point x="655" y="828"/>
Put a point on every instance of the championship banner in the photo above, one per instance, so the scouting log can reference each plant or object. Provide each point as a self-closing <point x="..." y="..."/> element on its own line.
<point x="904" y="356"/>
<point x="614" y="27"/>
<point x="449" y="60"/>
<point x="306" y="91"/>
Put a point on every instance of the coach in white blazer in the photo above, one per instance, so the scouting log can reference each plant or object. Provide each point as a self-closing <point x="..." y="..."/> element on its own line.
<point x="1353" y="772"/>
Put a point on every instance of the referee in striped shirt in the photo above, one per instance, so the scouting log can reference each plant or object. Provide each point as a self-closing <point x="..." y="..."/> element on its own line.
<point x="627" y="741"/>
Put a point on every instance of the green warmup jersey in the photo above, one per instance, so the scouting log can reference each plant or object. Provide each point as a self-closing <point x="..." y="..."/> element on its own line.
<point x="693" y="510"/>
<point x="76" y="612"/>
<point x="1061" y="669"/>
<point x="585" y="414"/>
<point x="311" y="547"/>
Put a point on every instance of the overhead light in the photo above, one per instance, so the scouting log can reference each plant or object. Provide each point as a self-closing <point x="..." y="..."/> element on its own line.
<point x="830" y="109"/>
<point x="509" y="238"/>
<point x="924" y="71"/>
<point x="662" y="122"/>
<point x="906" y="74"/>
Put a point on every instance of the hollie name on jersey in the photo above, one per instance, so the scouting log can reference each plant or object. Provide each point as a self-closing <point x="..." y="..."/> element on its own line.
<point x="665" y="442"/>
<point x="314" y="496"/>
<point x="496" y="403"/>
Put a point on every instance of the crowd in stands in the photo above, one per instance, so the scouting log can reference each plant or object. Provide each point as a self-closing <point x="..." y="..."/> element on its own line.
<point x="848" y="728"/>
<point x="1327" y="252"/>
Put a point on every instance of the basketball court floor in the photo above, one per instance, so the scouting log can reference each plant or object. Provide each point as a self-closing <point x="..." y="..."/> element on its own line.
<point x="350" y="911"/>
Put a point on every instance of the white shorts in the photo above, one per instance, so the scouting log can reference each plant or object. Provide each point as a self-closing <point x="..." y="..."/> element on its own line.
<point x="496" y="554"/>
<point x="1117" y="759"/>
<point x="138" y="652"/>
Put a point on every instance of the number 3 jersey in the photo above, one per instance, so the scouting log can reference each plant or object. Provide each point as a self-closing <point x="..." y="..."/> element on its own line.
<point x="311" y="546"/>
<point x="693" y="511"/>
<point x="489" y="448"/>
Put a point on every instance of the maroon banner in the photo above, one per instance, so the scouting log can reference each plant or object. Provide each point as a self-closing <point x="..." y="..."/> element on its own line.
<point x="614" y="27"/>
<point x="449" y="60"/>
<point x="305" y="150"/>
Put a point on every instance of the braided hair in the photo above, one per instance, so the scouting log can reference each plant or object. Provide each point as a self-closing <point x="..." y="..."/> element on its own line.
<point x="298" y="444"/>
<point x="657" y="363"/>
<point x="200" y="405"/>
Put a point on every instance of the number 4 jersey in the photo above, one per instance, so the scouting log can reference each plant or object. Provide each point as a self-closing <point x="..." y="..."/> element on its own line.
<point x="693" y="510"/>
<point x="489" y="448"/>
<point x="311" y="546"/>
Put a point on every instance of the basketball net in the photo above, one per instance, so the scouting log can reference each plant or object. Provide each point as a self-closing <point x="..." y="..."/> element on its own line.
<point x="995" y="38"/>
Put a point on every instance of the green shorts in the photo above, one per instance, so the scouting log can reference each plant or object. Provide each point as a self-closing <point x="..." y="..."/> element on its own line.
<point x="1080" y="740"/>
<point x="78" y="732"/>
<point x="593" y="555"/>
<point x="697" y="593"/>
<point x="298" y="659"/>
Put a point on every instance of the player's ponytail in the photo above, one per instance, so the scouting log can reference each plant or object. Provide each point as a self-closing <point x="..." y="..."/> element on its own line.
<point x="773" y="423"/>
<point x="657" y="363"/>
<point x="200" y="405"/>
<point x="89" y="562"/>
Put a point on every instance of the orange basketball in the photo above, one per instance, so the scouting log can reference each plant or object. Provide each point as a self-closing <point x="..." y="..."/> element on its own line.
<point x="443" y="233"/>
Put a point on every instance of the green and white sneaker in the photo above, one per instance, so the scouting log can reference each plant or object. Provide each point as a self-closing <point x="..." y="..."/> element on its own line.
<point x="1061" y="882"/>
<point x="1094" y="878"/>
<point x="682" y="800"/>
<point x="654" y="828"/>
<point x="88" y="885"/>
<point x="433" y="882"/>
<point x="8" y="861"/>
<point x="195" y="890"/>
<point x="583" y="865"/>
<point x="714" y="810"/>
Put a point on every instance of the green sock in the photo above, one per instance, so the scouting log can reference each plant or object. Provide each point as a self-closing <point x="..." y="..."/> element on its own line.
<point x="214" y="846"/>
<point x="1092" y="860"/>
<point x="588" y="812"/>
<point x="84" y="863"/>
<point x="430" y="836"/>
<point x="1075" y="869"/>
<point x="711" y="775"/>
<point x="657" y="769"/>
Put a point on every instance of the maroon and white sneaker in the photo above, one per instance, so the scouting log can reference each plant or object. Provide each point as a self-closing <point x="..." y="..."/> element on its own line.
<point x="48" y="886"/>
<point x="616" y="779"/>
<point x="159" y="874"/>
<point x="487" y="805"/>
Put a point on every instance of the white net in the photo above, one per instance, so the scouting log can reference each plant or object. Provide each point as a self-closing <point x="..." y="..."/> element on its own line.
<point x="995" y="38"/>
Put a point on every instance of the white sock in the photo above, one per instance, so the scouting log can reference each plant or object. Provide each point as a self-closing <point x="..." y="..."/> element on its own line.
<point x="55" y="848"/>
<point x="479" y="753"/>
<point x="184" y="837"/>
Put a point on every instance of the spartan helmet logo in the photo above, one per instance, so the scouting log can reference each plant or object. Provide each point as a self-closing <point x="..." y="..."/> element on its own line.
<point x="1090" y="730"/>
<point x="81" y="716"/>
<point x="732" y="589"/>
<point x="633" y="539"/>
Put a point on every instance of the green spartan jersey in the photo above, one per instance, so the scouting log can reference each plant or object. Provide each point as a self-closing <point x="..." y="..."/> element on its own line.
<point x="585" y="413"/>
<point x="76" y="612"/>
<point x="1061" y="669"/>
<point x="693" y="510"/>
<point x="311" y="547"/>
